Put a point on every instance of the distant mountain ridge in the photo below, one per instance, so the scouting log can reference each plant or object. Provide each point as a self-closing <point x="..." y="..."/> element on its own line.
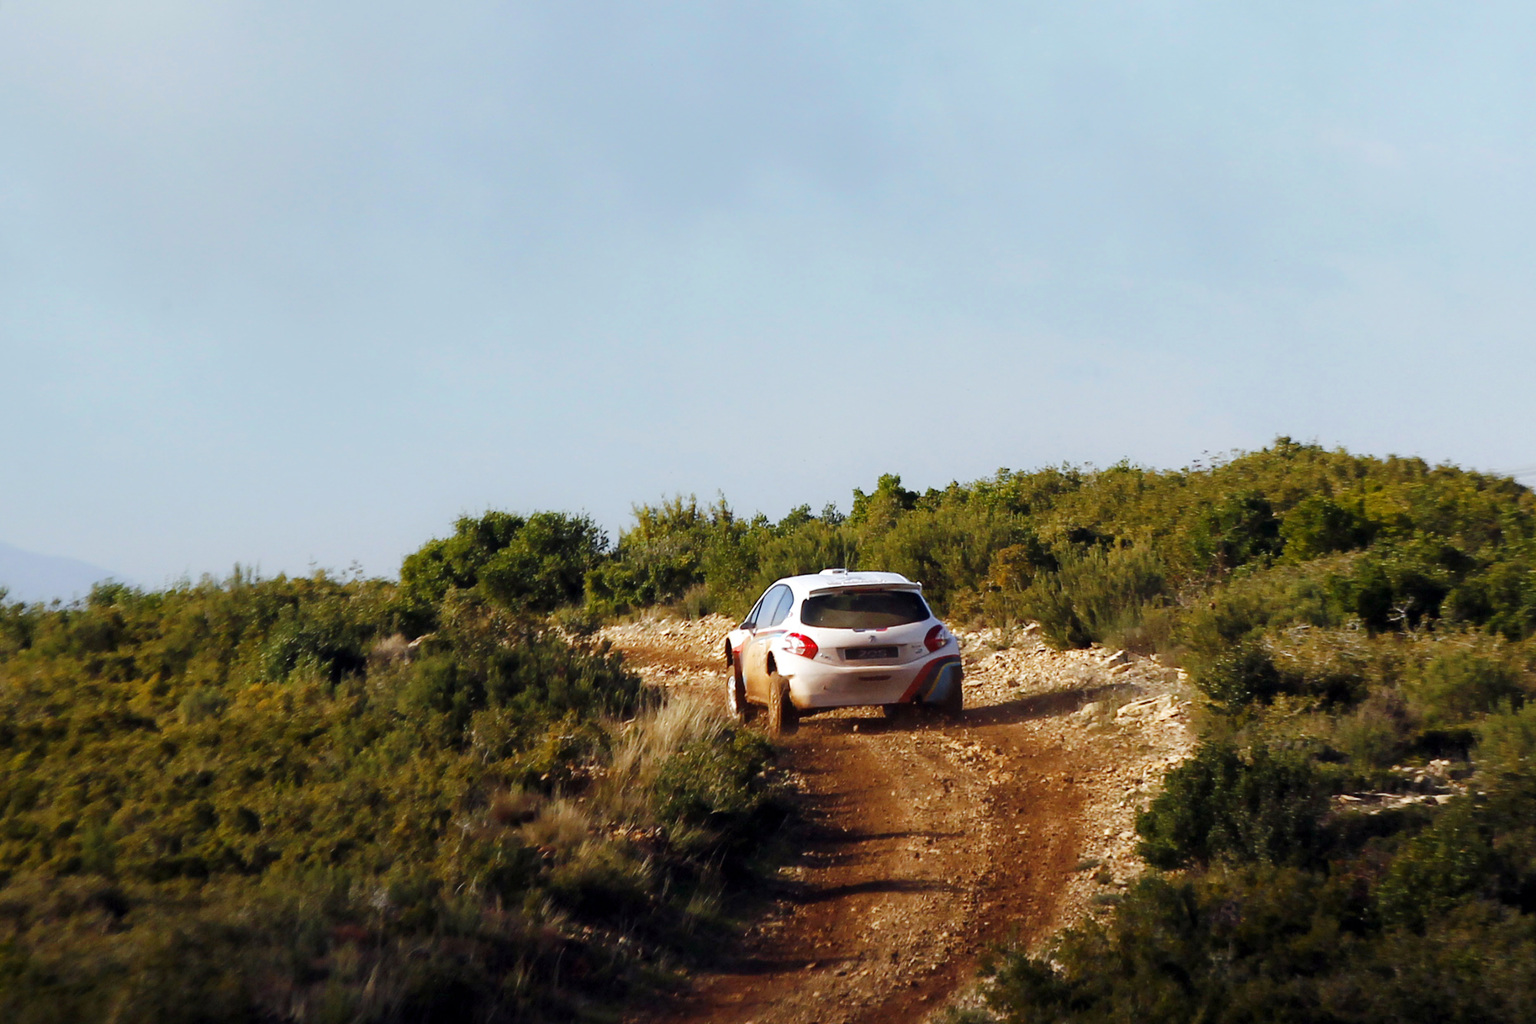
<point x="30" y="577"/>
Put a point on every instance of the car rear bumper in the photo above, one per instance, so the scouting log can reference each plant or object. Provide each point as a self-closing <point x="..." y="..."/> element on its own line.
<point x="816" y="687"/>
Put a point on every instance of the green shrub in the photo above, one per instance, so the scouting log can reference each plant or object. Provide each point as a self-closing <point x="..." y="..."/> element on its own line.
<point x="810" y="546"/>
<point x="1335" y="666"/>
<point x="1478" y="963"/>
<point x="1273" y="945"/>
<point x="880" y="510"/>
<point x="1500" y="597"/>
<point x="1458" y="683"/>
<point x="1249" y="603"/>
<point x="662" y="556"/>
<point x="534" y="563"/>
<point x="1239" y="529"/>
<point x="545" y="564"/>
<point x="1319" y="525"/>
<point x="949" y="549"/>
<point x="1402" y="585"/>
<point x="1223" y="805"/>
<point x="1096" y="596"/>
<point x="689" y="771"/>
<point x="1374" y="735"/>
<point x="1246" y="946"/>
<point x="318" y="635"/>
<point x="1239" y="675"/>
<point x="1507" y="747"/>
<point x="712" y="791"/>
<point x="1453" y="859"/>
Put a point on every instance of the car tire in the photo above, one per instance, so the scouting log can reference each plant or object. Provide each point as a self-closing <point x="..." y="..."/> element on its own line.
<point x="783" y="719"/>
<point x="736" y="702"/>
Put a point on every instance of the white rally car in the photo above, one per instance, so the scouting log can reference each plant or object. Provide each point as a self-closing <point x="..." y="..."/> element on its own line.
<point x="841" y="639"/>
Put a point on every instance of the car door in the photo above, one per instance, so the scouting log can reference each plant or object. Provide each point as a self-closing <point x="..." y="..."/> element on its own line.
<point x="740" y="637"/>
<point x="774" y="607"/>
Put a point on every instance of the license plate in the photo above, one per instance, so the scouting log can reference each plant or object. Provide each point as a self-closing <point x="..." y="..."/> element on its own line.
<point x="861" y="653"/>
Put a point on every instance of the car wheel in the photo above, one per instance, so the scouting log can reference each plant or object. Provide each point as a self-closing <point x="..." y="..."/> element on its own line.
<point x="783" y="719"/>
<point x="736" y="700"/>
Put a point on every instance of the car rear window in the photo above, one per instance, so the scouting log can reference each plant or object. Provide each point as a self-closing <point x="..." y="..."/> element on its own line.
<point x="864" y="609"/>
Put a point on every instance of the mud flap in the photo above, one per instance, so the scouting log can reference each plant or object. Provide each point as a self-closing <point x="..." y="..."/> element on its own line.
<point x="783" y="718"/>
<point x="945" y="686"/>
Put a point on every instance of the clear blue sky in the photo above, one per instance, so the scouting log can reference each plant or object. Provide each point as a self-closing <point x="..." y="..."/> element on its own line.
<point x="286" y="282"/>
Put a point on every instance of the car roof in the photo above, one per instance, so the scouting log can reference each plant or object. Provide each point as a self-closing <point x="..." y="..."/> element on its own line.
<point x="842" y="579"/>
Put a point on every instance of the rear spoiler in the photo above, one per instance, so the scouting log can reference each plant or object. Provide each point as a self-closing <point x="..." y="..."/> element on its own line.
<point x="843" y="588"/>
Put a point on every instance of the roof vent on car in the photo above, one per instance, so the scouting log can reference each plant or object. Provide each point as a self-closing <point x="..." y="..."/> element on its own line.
<point x="834" y="572"/>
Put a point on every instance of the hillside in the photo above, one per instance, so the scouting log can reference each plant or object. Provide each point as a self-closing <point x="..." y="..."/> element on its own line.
<point x="258" y="800"/>
<point x="1351" y="840"/>
<point x="452" y="796"/>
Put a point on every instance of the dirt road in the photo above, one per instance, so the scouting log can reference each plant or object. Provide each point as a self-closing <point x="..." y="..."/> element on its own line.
<point x="922" y="843"/>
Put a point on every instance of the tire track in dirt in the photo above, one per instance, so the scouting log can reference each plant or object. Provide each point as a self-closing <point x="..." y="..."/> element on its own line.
<point x="922" y="842"/>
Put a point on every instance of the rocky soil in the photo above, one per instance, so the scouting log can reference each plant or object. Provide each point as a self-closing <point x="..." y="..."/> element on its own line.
<point x="923" y="842"/>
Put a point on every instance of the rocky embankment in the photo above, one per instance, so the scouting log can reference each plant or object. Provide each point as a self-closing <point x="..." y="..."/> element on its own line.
<point x="1125" y="720"/>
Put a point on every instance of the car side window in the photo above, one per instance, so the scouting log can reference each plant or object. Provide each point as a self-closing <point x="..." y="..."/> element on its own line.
<point x="786" y="606"/>
<point x="776" y="606"/>
<point x="750" y="622"/>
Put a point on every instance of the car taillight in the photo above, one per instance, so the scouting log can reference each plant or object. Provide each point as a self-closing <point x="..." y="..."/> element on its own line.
<point x="798" y="643"/>
<point x="936" y="638"/>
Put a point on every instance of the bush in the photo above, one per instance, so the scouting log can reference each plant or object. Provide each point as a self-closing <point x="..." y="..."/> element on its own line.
<point x="877" y="512"/>
<point x="1458" y="684"/>
<point x="1239" y="675"/>
<point x="663" y="555"/>
<point x="808" y="547"/>
<point x="949" y="549"/>
<point x="1507" y="747"/>
<point x="1500" y="597"/>
<point x="1318" y="525"/>
<point x="1453" y="859"/>
<point x="1267" y="944"/>
<point x="712" y="791"/>
<point x="689" y="770"/>
<point x="1374" y="735"/>
<point x="1241" y="946"/>
<point x="1239" y="529"/>
<point x="544" y="565"/>
<point x="319" y="633"/>
<point x="1224" y="806"/>
<point x="537" y="563"/>
<point x="1096" y="596"/>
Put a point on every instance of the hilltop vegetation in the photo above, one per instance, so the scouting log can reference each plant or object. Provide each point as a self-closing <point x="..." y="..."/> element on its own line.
<point x="328" y="799"/>
<point x="1112" y="555"/>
